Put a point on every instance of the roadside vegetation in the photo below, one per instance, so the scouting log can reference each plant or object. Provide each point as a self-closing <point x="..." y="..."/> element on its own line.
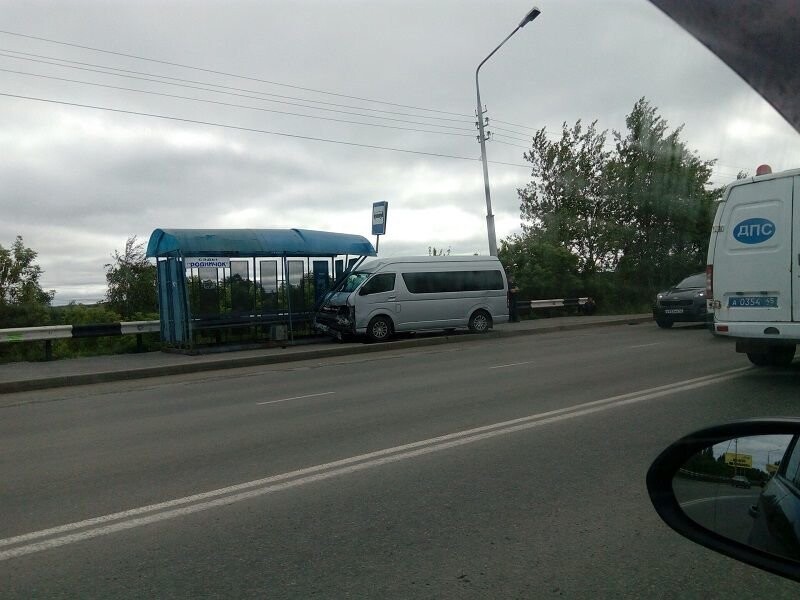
<point x="614" y="216"/>
<point x="131" y="296"/>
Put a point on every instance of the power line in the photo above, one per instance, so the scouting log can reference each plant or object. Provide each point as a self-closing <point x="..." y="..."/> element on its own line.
<point x="508" y="144"/>
<point x="174" y="64"/>
<point x="496" y="128"/>
<point x="530" y="135"/>
<point x="252" y="129"/>
<point x="551" y="134"/>
<point x="259" y="98"/>
<point x="281" y="112"/>
<point x="509" y="137"/>
<point x="192" y="81"/>
<point x="515" y="124"/>
<point x="497" y="162"/>
<point x="26" y="55"/>
<point x="256" y="79"/>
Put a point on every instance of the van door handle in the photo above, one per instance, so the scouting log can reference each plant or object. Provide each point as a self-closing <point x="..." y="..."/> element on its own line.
<point x="391" y="298"/>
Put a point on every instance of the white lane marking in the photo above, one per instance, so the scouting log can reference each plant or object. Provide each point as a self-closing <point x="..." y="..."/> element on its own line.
<point x="711" y="499"/>
<point x="104" y="525"/>
<point x="296" y="398"/>
<point x="527" y="362"/>
<point x="646" y="345"/>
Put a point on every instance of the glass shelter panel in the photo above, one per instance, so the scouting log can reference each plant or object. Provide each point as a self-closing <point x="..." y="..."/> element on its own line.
<point x="207" y="292"/>
<point x="269" y="284"/>
<point x="296" y="287"/>
<point x="241" y="288"/>
<point x="322" y="280"/>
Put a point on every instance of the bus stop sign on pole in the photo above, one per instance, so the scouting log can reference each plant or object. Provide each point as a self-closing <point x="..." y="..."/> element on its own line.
<point x="379" y="210"/>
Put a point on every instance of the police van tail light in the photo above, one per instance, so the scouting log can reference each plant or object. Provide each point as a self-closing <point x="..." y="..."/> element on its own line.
<point x="709" y="282"/>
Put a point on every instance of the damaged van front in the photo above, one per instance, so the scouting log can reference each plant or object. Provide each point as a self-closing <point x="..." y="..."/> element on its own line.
<point x="337" y="314"/>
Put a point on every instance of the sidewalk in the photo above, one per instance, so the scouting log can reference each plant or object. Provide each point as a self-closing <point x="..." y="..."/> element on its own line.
<point x="25" y="376"/>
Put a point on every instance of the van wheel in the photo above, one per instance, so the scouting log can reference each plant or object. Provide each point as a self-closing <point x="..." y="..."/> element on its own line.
<point x="664" y="323"/>
<point x="480" y="322"/>
<point x="781" y="356"/>
<point x="379" y="329"/>
<point x="759" y="359"/>
<point x="775" y="356"/>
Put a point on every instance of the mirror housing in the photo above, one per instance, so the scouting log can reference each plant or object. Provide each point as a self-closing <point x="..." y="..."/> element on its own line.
<point x="662" y="472"/>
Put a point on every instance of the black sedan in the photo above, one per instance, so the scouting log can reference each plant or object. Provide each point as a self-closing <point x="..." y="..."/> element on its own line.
<point x="685" y="302"/>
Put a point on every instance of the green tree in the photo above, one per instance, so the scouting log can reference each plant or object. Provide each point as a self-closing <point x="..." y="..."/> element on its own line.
<point x="540" y="268"/>
<point x="131" y="281"/>
<point x="23" y="302"/>
<point x="665" y="201"/>
<point x="636" y="217"/>
<point x="567" y="199"/>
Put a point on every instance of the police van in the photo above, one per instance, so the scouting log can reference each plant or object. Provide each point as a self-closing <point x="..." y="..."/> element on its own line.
<point x="389" y="295"/>
<point x="753" y="267"/>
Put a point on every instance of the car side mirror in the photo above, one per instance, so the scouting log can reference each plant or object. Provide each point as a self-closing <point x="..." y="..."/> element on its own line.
<point x="735" y="489"/>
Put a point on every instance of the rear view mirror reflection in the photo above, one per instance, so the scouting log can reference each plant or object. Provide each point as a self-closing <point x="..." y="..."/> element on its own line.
<point x="741" y="489"/>
<point x="735" y="489"/>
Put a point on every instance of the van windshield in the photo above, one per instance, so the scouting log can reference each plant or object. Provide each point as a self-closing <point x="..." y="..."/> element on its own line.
<point x="352" y="281"/>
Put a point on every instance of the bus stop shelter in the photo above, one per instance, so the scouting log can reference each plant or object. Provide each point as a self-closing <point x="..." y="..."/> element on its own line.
<point x="220" y="279"/>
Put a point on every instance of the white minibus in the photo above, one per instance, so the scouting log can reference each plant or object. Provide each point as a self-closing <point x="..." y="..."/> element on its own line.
<point x="403" y="294"/>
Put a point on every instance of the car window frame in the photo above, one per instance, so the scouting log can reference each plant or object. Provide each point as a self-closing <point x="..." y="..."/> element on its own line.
<point x="363" y="292"/>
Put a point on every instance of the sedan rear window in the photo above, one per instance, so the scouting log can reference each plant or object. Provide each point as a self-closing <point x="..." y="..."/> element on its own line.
<point x="693" y="281"/>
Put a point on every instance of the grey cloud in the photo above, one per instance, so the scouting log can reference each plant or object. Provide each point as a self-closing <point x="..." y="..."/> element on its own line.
<point x="77" y="182"/>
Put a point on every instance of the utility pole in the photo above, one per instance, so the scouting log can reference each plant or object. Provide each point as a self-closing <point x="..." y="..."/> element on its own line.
<point x="532" y="14"/>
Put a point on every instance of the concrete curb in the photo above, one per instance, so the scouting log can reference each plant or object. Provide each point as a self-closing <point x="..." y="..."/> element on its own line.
<point x="9" y="387"/>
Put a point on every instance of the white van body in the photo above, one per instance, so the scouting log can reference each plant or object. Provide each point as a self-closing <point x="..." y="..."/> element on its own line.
<point x="417" y="294"/>
<point x="754" y="266"/>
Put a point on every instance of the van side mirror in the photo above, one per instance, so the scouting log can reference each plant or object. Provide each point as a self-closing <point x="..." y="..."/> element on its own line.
<point x="729" y="488"/>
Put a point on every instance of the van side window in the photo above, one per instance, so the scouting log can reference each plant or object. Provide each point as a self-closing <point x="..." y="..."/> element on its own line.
<point x="380" y="283"/>
<point x="453" y="281"/>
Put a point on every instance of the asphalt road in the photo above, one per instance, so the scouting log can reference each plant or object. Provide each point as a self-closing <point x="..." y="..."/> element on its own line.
<point x="509" y="468"/>
<point x="719" y="507"/>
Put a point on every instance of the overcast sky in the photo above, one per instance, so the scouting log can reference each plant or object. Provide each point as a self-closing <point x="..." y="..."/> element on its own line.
<point x="75" y="182"/>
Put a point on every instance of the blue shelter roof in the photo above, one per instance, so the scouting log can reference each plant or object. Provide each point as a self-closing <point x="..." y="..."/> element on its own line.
<point x="255" y="242"/>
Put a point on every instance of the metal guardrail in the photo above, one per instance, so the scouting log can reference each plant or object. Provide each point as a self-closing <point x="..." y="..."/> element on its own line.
<point x="555" y="303"/>
<point x="703" y="476"/>
<point x="60" y="332"/>
<point x="130" y="327"/>
<point x="584" y="305"/>
<point x="56" y="332"/>
<point x="28" y="334"/>
<point x="49" y="333"/>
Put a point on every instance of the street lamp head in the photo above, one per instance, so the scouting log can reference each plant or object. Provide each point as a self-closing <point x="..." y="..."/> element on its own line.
<point x="534" y="12"/>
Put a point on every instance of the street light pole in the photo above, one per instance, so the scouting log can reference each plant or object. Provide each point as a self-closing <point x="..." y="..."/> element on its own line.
<point x="532" y="14"/>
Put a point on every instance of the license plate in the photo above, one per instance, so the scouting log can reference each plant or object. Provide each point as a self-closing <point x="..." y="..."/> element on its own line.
<point x="753" y="302"/>
<point x="673" y="311"/>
